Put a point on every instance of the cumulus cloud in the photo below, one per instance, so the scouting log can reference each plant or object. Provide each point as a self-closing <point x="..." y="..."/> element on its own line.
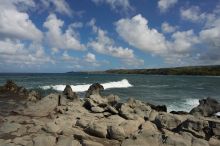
<point x="16" y="52"/>
<point x="105" y="45"/>
<point x="164" y="5"/>
<point x="59" y="39"/>
<point x="167" y="28"/>
<point x="195" y="15"/>
<point x="16" y="24"/>
<point x="136" y="32"/>
<point x="60" y="6"/>
<point x="116" y="5"/>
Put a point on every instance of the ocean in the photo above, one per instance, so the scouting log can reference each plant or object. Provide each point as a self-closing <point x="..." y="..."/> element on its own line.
<point x="176" y="92"/>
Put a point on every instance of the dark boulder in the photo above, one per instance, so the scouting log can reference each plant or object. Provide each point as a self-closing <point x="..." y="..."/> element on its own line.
<point x="207" y="107"/>
<point x="69" y="93"/>
<point x="12" y="88"/>
<point x="179" y="112"/>
<point x="94" y="89"/>
<point x="159" y="108"/>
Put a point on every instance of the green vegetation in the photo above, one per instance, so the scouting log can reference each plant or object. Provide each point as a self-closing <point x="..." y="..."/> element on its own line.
<point x="193" y="70"/>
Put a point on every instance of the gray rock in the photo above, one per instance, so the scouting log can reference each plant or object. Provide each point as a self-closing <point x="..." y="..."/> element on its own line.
<point x="133" y="109"/>
<point x="116" y="132"/>
<point x="9" y="127"/>
<point x="168" y="121"/>
<point x="69" y="93"/>
<point x="51" y="127"/>
<point x="91" y="143"/>
<point x="44" y="140"/>
<point x="97" y="109"/>
<point x="42" y="108"/>
<point x="97" y="129"/>
<point x="67" y="141"/>
<point x="206" y="107"/>
<point x="94" y="89"/>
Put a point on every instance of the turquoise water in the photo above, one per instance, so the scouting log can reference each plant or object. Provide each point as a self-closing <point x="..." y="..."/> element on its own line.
<point x="177" y="92"/>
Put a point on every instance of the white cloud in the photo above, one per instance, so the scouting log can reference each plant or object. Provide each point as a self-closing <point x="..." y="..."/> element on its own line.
<point x="117" y="5"/>
<point x="60" y="6"/>
<point x="105" y="45"/>
<point x="182" y="48"/>
<point x="194" y="14"/>
<point x="90" y="57"/>
<point x="164" y="5"/>
<point x="16" y="24"/>
<point x="136" y="32"/>
<point x="167" y="28"/>
<point x="16" y="52"/>
<point x="59" y="39"/>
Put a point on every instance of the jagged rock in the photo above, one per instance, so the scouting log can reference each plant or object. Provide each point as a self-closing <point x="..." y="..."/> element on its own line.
<point x="112" y="99"/>
<point x="179" y="112"/>
<point x="153" y="115"/>
<point x="206" y="107"/>
<point x="159" y="108"/>
<point x="111" y="109"/>
<point x="44" y="140"/>
<point x="11" y="87"/>
<point x="196" y="127"/>
<point x="130" y="126"/>
<point x="97" y="129"/>
<point x="41" y="108"/>
<point x="9" y="127"/>
<point x="146" y="137"/>
<point x="133" y="109"/>
<point x="62" y="100"/>
<point x="69" y="93"/>
<point x="94" y="89"/>
<point x="116" y="132"/>
<point x="168" y="121"/>
<point x="90" y="143"/>
<point x="33" y="96"/>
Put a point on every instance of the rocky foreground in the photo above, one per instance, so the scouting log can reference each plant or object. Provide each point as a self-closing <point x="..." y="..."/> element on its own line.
<point x="65" y="120"/>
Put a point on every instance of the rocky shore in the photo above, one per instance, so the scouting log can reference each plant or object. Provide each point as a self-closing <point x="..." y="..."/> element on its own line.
<point x="66" y="120"/>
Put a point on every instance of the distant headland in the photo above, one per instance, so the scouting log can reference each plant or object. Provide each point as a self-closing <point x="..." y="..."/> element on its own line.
<point x="209" y="70"/>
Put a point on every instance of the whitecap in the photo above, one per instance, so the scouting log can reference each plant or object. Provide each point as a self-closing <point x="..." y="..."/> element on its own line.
<point x="183" y="105"/>
<point x="81" y="88"/>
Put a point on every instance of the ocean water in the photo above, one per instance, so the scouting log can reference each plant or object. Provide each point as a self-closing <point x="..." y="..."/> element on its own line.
<point x="177" y="92"/>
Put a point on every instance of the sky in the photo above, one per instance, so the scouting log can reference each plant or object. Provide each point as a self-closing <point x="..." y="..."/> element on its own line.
<point x="57" y="36"/>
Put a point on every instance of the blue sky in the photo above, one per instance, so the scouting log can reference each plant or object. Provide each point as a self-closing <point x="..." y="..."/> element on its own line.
<point x="75" y="35"/>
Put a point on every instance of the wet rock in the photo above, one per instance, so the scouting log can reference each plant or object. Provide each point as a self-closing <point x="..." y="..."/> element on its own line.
<point x="94" y="89"/>
<point x="69" y="93"/>
<point x="179" y="112"/>
<point x="206" y="107"/>
<point x="159" y="108"/>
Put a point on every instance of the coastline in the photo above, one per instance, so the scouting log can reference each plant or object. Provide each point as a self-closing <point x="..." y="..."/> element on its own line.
<point x="62" y="118"/>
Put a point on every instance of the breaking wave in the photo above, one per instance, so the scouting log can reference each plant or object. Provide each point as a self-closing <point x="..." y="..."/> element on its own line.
<point x="81" y="88"/>
<point x="183" y="105"/>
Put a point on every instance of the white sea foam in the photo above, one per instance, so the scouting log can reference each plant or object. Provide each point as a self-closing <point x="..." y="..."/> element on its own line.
<point x="217" y="114"/>
<point x="183" y="105"/>
<point x="81" y="88"/>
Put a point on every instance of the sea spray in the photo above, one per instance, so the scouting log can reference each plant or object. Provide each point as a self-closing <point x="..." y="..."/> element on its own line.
<point x="82" y="88"/>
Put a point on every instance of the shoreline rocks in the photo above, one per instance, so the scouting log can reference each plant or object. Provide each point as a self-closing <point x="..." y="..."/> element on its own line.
<point x="64" y="120"/>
